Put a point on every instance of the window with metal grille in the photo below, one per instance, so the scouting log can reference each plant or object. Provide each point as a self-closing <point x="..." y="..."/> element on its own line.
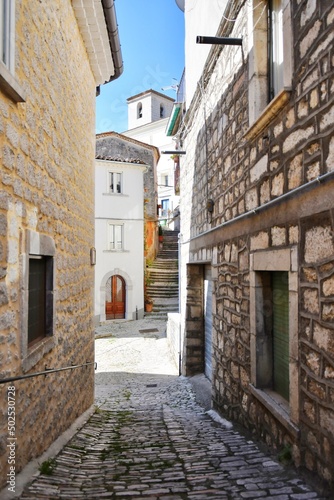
<point x="280" y="332"/>
<point x="40" y="298"/>
<point x="273" y="332"/>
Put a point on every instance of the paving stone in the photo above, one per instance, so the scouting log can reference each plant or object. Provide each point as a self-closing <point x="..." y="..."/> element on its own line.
<point x="150" y="438"/>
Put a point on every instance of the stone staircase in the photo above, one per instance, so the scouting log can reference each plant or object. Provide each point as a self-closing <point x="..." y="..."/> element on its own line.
<point x="164" y="277"/>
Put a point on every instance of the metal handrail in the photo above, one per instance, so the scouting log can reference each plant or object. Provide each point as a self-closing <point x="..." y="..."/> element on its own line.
<point x="46" y="372"/>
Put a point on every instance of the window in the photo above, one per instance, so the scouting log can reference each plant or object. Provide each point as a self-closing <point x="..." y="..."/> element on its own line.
<point x="115" y="237"/>
<point x="40" y="301"/>
<point x="37" y="312"/>
<point x="165" y="208"/>
<point x="115" y="182"/>
<point x="276" y="47"/>
<point x="270" y="62"/>
<point x="139" y="110"/>
<point x="8" y="83"/>
<point x="273" y="331"/>
<point x="7" y="39"/>
<point x="166" y="180"/>
<point x="274" y="323"/>
<point x="162" y="111"/>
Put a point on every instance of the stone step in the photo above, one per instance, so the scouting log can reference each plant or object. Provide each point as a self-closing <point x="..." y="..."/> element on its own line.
<point x="164" y="275"/>
<point x="161" y="287"/>
<point x="165" y="263"/>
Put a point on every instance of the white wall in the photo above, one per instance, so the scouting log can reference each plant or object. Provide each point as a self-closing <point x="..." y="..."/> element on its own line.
<point x="154" y="133"/>
<point x="127" y="209"/>
<point x="150" y="102"/>
<point x="200" y="19"/>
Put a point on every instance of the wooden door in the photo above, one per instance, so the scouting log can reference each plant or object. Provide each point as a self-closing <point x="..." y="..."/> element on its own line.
<point x="115" y="298"/>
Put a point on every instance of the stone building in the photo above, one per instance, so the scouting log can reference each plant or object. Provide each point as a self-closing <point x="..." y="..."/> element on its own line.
<point x="257" y="251"/>
<point x="47" y="151"/>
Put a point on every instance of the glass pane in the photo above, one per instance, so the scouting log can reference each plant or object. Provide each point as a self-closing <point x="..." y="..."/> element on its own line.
<point x="119" y="289"/>
<point x="109" y="290"/>
<point x="118" y="237"/>
<point x="112" y="236"/>
<point x="119" y="179"/>
<point x="276" y="46"/>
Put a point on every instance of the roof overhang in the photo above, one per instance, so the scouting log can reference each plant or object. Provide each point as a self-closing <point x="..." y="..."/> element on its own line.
<point x="174" y="119"/>
<point x="98" y="27"/>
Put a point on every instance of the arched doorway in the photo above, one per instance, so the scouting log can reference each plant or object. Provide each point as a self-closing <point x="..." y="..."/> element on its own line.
<point x="115" y="297"/>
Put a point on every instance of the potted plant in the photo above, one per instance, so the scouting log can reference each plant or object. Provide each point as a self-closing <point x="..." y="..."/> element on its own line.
<point x="148" y="304"/>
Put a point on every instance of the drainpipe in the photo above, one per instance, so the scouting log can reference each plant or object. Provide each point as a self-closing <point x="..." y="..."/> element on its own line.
<point x="115" y="47"/>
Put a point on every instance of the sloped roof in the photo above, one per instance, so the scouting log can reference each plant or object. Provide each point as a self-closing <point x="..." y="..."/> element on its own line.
<point x="120" y="159"/>
<point x="154" y="149"/>
<point x="98" y="27"/>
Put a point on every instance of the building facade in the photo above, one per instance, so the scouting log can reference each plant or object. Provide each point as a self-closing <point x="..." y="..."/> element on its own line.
<point x="148" y="118"/>
<point x="112" y="144"/>
<point x="119" y="239"/>
<point x="47" y="92"/>
<point x="257" y="247"/>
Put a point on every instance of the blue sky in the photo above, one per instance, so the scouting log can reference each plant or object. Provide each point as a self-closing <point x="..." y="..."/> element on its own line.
<point x="151" y="34"/>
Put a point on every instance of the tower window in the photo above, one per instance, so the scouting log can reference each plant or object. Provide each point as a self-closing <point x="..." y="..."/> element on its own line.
<point x="139" y="110"/>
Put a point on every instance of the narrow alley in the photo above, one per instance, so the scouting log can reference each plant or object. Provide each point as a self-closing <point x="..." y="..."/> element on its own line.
<point x="151" y="435"/>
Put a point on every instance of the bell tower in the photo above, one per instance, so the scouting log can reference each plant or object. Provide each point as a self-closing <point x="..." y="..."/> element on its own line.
<point x="148" y="107"/>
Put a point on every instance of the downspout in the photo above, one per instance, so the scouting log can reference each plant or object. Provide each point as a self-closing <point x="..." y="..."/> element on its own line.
<point x="115" y="47"/>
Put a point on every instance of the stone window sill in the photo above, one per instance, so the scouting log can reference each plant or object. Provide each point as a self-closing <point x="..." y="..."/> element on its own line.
<point x="268" y="114"/>
<point x="115" y="251"/>
<point x="277" y="406"/>
<point x="116" y="194"/>
<point x="36" y="353"/>
<point x="10" y="86"/>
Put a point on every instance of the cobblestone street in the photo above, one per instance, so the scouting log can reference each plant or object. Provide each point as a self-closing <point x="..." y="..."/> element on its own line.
<point x="149" y="437"/>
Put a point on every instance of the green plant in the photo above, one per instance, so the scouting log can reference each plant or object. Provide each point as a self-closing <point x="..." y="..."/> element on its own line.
<point x="47" y="466"/>
<point x="285" y="455"/>
<point x="127" y="394"/>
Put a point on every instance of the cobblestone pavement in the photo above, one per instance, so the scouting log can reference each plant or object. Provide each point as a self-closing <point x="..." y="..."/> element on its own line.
<point x="149" y="438"/>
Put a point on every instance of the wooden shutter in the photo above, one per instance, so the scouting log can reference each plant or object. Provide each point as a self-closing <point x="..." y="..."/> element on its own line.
<point x="280" y="290"/>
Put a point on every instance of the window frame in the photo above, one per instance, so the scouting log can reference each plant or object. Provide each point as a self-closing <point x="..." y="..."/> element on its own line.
<point x="111" y="236"/>
<point x="270" y="261"/>
<point x="165" y="203"/>
<point x="262" y="106"/>
<point x="38" y="246"/>
<point x="8" y="83"/>
<point x="46" y="290"/>
<point x="111" y="174"/>
<point x="275" y="48"/>
<point x="7" y="39"/>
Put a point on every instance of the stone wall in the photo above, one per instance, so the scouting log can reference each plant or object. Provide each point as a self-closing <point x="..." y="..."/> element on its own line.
<point x="266" y="197"/>
<point x="47" y="179"/>
<point x="173" y="336"/>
